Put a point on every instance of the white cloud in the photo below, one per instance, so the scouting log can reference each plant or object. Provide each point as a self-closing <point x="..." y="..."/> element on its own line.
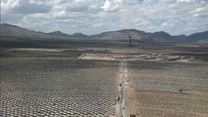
<point x="95" y="16"/>
<point x="187" y="1"/>
<point x="173" y="25"/>
<point x="111" y="5"/>
<point x="10" y="4"/>
<point x="25" y="7"/>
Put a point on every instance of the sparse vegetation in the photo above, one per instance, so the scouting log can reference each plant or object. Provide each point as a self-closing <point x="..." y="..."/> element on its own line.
<point x="157" y="84"/>
<point x="180" y="90"/>
<point x="132" y="115"/>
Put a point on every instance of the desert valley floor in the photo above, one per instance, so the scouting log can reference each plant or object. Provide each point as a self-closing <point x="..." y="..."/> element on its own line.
<point x="63" y="83"/>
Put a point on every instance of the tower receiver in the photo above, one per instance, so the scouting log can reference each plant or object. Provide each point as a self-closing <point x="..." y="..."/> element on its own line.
<point x="130" y="41"/>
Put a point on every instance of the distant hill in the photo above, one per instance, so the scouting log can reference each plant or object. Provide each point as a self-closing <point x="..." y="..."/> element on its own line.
<point x="139" y="35"/>
<point x="202" y="36"/>
<point x="12" y="30"/>
<point x="122" y="34"/>
<point x="181" y="38"/>
<point x="79" y="35"/>
<point x="160" y="36"/>
<point x="58" y="33"/>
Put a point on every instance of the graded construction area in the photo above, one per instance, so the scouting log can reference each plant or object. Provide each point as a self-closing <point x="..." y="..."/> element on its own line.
<point x="57" y="87"/>
<point x="167" y="89"/>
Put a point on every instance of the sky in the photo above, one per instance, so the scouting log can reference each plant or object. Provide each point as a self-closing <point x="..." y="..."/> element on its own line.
<point x="96" y="16"/>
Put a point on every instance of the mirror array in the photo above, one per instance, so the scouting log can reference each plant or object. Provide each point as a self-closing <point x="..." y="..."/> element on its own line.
<point x="55" y="87"/>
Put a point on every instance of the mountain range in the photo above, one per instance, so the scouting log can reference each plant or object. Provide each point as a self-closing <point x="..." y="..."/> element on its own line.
<point x="16" y="31"/>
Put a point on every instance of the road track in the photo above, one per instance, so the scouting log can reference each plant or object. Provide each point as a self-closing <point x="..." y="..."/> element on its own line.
<point x="122" y="91"/>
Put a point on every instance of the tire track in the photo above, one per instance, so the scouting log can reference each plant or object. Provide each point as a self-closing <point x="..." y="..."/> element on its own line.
<point x="122" y="90"/>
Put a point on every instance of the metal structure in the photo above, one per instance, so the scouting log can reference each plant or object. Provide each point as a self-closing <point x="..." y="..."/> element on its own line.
<point x="130" y="41"/>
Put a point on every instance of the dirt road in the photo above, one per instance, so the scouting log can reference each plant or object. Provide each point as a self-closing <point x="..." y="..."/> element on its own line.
<point x="122" y="91"/>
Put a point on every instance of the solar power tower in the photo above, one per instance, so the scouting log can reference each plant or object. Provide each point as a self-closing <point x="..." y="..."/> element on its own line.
<point x="130" y="41"/>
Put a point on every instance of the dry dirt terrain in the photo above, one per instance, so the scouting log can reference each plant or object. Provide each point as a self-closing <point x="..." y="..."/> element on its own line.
<point x="167" y="89"/>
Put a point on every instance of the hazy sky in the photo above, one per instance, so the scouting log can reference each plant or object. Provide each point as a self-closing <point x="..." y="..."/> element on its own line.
<point x="95" y="16"/>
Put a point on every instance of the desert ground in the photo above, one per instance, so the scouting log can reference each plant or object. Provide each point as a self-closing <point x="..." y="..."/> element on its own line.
<point x="104" y="79"/>
<point x="167" y="89"/>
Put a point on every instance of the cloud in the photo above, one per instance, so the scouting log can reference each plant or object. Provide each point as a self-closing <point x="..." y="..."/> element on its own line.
<point x="78" y="5"/>
<point x="95" y="16"/>
<point x="12" y="18"/>
<point x="25" y="6"/>
<point x="173" y="25"/>
<point x="186" y="1"/>
<point x="111" y="5"/>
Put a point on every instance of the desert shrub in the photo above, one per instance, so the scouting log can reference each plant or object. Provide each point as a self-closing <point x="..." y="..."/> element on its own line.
<point x="180" y="90"/>
<point x="132" y="115"/>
